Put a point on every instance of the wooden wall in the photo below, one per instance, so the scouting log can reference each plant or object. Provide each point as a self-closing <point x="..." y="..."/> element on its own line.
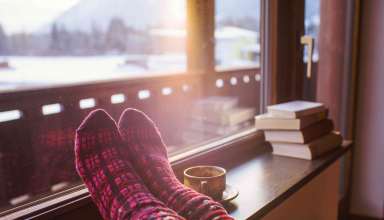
<point x="317" y="200"/>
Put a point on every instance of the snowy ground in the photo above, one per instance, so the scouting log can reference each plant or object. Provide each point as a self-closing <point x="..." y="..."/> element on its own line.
<point x="28" y="72"/>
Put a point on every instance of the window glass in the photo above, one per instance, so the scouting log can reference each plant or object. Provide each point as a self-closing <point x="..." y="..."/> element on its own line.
<point x="312" y="25"/>
<point x="45" y="45"/>
<point x="70" y="41"/>
<point x="237" y="33"/>
<point x="231" y="100"/>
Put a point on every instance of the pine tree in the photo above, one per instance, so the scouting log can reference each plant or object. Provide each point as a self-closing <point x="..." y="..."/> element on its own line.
<point x="55" y="39"/>
<point x="4" y="47"/>
<point x="116" y="36"/>
<point x="97" y="39"/>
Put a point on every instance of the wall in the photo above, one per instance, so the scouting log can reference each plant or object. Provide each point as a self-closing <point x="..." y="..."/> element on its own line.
<point x="368" y="171"/>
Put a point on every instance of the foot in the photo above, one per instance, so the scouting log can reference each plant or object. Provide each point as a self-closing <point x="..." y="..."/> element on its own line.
<point x="117" y="190"/>
<point x="147" y="152"/>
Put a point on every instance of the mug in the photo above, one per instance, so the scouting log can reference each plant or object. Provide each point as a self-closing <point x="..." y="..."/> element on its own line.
<point x="209" y="180"/>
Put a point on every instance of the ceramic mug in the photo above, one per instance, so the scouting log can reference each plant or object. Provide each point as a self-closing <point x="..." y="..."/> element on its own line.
<point x="209" y="180"/>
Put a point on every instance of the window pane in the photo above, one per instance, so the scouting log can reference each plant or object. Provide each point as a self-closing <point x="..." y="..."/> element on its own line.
<point x="230" y="100"/>
<point x="70" y="41"/>
<point x="237" y="34"/>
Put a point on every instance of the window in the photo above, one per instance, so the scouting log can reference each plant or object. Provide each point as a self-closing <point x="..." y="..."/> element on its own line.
<point x="69" y="57"/>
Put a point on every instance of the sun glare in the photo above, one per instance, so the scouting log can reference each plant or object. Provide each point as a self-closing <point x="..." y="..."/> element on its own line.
<point x="174" y="13"/>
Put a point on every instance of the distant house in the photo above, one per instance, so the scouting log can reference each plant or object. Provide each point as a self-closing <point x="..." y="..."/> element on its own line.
<point x="236" y="46"/>
<point x="168" y="40"/>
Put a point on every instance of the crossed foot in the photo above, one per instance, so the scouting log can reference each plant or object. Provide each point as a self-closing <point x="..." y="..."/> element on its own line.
<point x="127" y="171"/>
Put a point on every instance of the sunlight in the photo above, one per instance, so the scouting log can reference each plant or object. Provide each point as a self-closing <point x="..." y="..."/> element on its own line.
<point x="174" y="13"/>
<point x="177" y="9"/>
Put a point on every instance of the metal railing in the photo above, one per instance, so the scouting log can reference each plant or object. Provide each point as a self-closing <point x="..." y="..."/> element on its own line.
<point x="37" y="126"/>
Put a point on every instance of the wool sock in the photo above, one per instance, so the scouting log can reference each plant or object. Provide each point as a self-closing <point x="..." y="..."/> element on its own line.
<point x="148" y="154"/>
<point x="115" y="187"/>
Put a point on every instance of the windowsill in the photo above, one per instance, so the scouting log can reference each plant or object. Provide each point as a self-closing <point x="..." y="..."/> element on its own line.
<point x="266" y="181"/>
<point x="255" y="164"/>
<point x="77" y="196"/>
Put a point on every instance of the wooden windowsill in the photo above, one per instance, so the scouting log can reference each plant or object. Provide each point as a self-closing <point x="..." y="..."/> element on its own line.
<point x="264" y="180"/>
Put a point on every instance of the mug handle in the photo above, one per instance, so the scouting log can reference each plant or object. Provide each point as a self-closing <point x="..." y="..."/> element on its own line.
<point x="204" y="187"/>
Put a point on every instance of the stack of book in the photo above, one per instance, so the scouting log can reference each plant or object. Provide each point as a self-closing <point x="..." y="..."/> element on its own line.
<point x="298" y="129"/>
<point x="217" y="116"/>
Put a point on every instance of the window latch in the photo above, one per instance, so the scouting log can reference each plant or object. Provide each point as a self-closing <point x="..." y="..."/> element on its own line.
<point x="308" y="41"/>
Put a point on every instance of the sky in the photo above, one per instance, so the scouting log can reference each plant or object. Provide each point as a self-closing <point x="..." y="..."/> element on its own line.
<point x="30" y="15"/>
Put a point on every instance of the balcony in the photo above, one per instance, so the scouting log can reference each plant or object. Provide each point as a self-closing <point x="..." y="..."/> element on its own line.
<point x="38" y="125"/>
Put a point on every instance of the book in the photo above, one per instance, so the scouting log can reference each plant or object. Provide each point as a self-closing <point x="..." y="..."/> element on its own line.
<point x="217" y="129"/>
<point x="300" y="136"/>
<point x="228" y="118"/>
<point x="216" y="103"/>
<point x="269" y="122"/>
<point x="308" y="151"/>
<point x="295" y="109"/>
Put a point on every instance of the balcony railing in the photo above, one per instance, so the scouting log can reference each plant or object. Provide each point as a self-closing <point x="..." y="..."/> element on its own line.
<point x="37" y="127"/>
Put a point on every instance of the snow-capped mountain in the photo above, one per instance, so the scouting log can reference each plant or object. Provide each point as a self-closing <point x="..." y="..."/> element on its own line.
<point x="140" y="14"/>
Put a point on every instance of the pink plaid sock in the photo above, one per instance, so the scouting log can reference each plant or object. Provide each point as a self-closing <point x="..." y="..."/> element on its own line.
<point x="148" y="154"/>
<point x="117" y="190"/>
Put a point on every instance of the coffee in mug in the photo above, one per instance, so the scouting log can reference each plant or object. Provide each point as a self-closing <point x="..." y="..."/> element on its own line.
<point x="209" y="180"/>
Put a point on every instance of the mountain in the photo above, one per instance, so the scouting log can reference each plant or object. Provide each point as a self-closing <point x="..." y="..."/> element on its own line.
<point x="140" y="14"/>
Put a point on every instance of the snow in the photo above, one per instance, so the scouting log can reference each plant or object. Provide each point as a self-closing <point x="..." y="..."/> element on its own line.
<point x="51" y="71"/>
<point x="226" y="32"/>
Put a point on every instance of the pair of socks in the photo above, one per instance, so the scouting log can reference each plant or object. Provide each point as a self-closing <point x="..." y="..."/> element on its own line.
<point x="127" y="171"/>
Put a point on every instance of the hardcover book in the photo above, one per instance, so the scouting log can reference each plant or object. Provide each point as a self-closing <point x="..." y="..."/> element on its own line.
<point x="300" y="136"/>
<point x="227" y="118"/>
<point x="269" y="122"/>
<point x="308" y="151"/>
<point x="295" y="109"/>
